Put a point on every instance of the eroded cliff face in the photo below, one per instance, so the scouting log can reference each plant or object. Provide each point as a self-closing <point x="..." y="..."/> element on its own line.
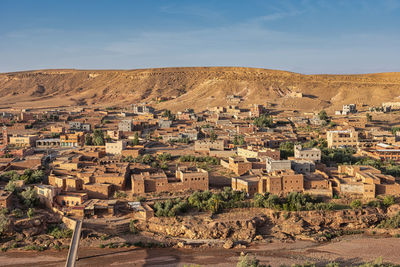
<point x="199" y="88"/>
<point x="304" y="225"/>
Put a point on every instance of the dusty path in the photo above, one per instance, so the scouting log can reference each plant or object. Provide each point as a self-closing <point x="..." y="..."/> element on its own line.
<point x="349" y="251"/>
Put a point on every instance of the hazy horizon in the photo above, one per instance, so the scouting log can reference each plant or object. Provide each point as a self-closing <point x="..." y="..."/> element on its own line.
<point x="308" y="37"/>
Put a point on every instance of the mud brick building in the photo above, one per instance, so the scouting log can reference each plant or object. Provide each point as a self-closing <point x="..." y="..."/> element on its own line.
<point x="186" y="179"/>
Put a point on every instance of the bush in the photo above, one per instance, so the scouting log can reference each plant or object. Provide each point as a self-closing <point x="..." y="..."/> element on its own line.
<point x="263" y="121"/>
<point x="388" y="200"/>
<point x="393" y="222"/>
<point x="374" y="203"/>
<point x="11" y="187"/>
<point x="356" y="204"/>
<point x="34" y="247"/>
<point x="120" y="194"/>
<point x="58" y="232"/>
<point x="4" y="211"/>
<point x="29" y="176"/>
<point x="207" y="159"/>
<point x="170" y="208"/>
<point x="286" y="149"/>
<point x="132" y="227"/>
<point x="29" y="197"/>
<point x="4" y="223"/>
<point x="17" y="213"/>
<point x="245" y="261"/>
<point x="30" y="213"/>
<point x="164" y="157"/>
<point x="140" y="199"/>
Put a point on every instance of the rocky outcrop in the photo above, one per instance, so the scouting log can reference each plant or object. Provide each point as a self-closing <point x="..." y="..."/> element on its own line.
<point x="33" y="226"/>
<point x="307" y="225"/>
<point x="322" y="224"/>
<point x="204" y="229"/>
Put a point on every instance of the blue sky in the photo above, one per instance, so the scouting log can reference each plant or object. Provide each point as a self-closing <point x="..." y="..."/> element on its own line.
<point x="305" y="36"/>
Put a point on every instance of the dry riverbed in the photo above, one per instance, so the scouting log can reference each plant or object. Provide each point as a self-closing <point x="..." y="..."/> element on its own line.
<point x="349" y="250"/>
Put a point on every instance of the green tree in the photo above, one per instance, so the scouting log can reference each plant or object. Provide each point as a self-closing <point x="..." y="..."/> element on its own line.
<point x="37" y="176"/>
<point x="98" y="141"/>
<point x="132" y="227"/>
<point x="29" y="197"/>
<point x="356" y="204"/>
<point x="164" y="165"/>
<point x="168" y="114"/>
<point x="286" y="149"/>
<point x="88" y="140"/>
<point x="323" y="115"/>
<point x="258" y="200"/>
<point x="241" y="140"/>
<point x="135" y="140"/>
<point x="120" y="194"/>
<point x="236" y="140"/>
<point x="213" y="135"/>
<point x="155" y="164"/>
<point x="215" y="203"/>
<point x="11" y="187"/>
<point x="245" y="261"/>
<point x="263" y="121"/>
<point x="369" y="117"/>
<point x="30" y="213"/>
<point x="395" y="130"/>
<point x="98" y="137"/>
<point x="4" y="223"/>
<point x="388" y="200"/>
<point x="164" y="157"/>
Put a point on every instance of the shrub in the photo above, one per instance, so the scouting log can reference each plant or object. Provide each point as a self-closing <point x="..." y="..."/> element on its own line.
<point x="11" y="187"/>
<point x="245" y="261"/>
<point x="120" y="194"/>
<point x="4" y="211"/>
<point x="17" y="213"/>
<point x="58" y="232"/>
<point x="4" y="223"/>
<point x="132" y="227"/>
<point x="356" y="204"/>
<point x="375" y="203"/>
<point x="170" y="208"/>
<point x="286" y="149"/>
<point x="29" y="197"/>
<point x="140" y="199"/>
<point x="164" y="157"/>
<point x="34" y="247"/>
<point x="30" y="213"/>
<point x="393" y="222"/>
<point x="388" y="200"/>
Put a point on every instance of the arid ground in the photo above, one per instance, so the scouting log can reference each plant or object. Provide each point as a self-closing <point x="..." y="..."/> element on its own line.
<point x="349" y="250"/>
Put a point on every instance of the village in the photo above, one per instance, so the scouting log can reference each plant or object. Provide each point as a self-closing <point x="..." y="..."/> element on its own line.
<point x="121" y="168"/>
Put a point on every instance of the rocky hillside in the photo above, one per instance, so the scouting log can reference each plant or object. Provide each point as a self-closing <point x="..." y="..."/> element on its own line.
<point x="198" y="88"/>
<point x="256" y="224"/>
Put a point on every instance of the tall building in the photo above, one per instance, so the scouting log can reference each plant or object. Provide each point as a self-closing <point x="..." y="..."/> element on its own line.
<point x="342" y="138"/>
<point x="307" y="153"/>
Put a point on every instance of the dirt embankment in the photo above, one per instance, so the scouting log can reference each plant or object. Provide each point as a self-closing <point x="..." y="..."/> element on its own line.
<point x="260" y="224"/>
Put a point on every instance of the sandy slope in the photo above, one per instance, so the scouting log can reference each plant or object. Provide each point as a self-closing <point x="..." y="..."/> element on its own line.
<point x="198" y="88"/>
